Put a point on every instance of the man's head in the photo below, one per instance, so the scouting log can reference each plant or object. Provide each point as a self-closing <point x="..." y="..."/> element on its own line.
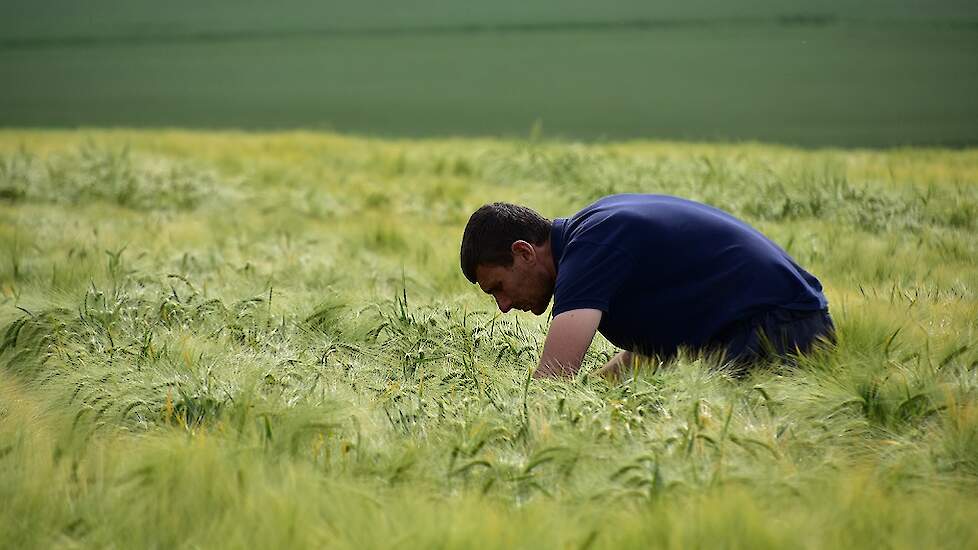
<point x="506" y="250"/>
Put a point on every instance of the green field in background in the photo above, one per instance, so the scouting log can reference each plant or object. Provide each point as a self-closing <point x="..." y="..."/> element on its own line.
<point x="877" y="74"/>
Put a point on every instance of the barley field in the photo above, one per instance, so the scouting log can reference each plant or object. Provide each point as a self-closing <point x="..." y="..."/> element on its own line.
<point x="263" y="340"/>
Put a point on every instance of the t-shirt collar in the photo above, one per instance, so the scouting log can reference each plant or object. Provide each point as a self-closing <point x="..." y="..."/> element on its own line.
<point x="557" y="235"/>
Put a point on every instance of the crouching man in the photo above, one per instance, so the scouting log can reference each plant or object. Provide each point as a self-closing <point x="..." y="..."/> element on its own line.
<point x="653" y="274"/>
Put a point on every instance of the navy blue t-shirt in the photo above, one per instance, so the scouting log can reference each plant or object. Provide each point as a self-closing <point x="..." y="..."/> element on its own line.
<point x="670" y="272"/>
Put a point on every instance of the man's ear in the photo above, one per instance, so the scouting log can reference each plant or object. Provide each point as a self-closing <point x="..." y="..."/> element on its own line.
<point x="524" y="250"/>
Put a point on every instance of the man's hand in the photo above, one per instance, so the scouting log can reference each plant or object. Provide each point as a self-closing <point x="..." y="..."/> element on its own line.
<point x="612" y="369"/>
<point x="570" y="335"/>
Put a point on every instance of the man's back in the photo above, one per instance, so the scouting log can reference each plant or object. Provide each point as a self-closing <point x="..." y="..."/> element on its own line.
<point x="669" y="272"/>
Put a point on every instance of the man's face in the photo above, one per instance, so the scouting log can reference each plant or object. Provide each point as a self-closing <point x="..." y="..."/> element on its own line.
<point x="522" y="285"/>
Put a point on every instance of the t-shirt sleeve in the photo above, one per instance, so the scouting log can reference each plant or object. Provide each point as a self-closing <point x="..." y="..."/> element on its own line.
<point x="589" y="276"/>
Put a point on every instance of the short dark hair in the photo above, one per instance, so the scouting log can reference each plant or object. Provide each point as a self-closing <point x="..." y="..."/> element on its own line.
<point x="491" y="231"/>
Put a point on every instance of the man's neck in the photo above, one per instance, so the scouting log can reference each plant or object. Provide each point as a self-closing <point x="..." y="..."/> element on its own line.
<point x="546" y="258"/>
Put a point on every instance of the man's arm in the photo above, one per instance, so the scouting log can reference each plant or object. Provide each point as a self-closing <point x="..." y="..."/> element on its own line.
<point x="570" y="335"/>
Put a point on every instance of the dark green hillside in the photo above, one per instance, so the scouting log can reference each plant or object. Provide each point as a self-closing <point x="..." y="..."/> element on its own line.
<point x="822" y="73"/>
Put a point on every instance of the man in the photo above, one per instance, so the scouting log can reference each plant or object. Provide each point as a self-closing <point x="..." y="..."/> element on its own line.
<point x="652" y="273"/>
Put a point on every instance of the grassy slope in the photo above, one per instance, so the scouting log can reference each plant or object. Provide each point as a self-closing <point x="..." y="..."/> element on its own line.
<point x="872" y="73"/>
<point x="21" y="19"/>
<point x="240" y="339"/>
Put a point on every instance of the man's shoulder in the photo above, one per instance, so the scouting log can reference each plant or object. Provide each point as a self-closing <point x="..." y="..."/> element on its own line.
<point x="613" y="219"/>
<point x="632" y="208"/>
<point x="627" y="201"/>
